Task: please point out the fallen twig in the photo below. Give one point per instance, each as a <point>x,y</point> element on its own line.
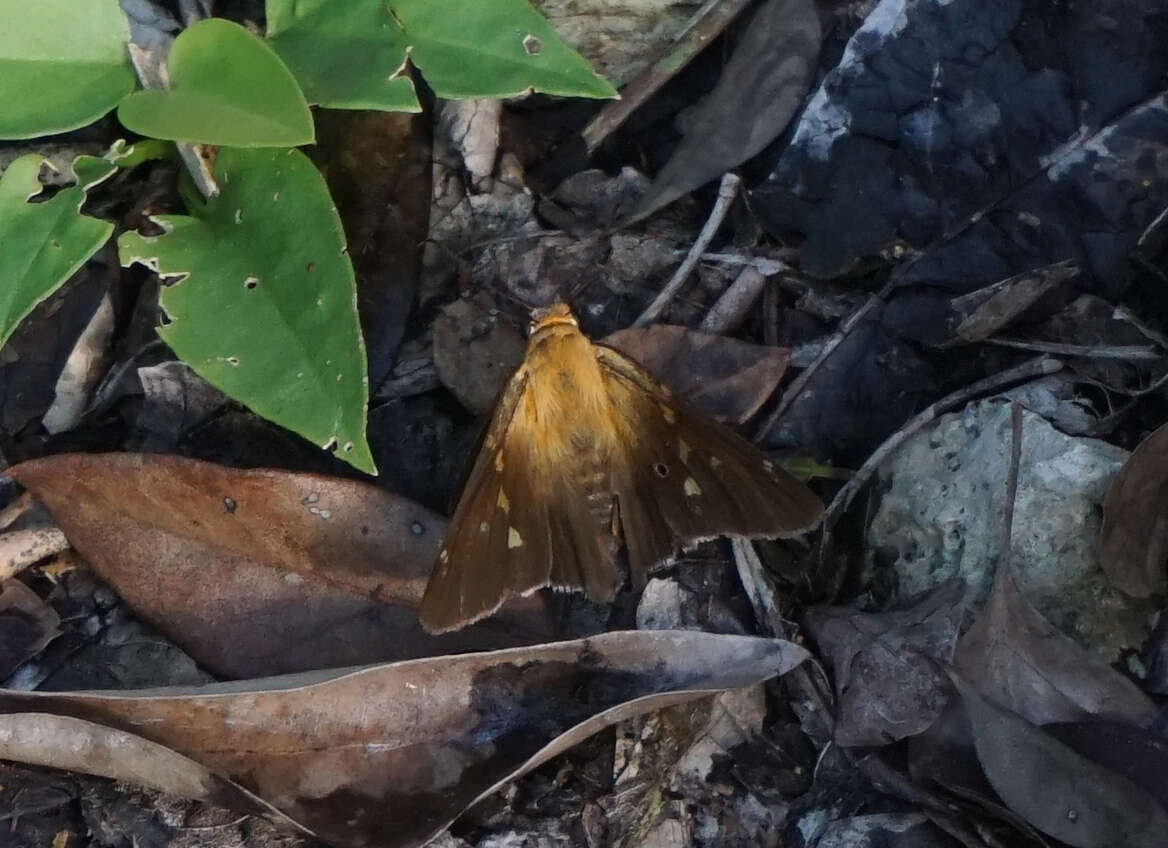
<point>735,303</point>
<point>1034,368</point>
<point>22,548</point>
<point>727,191</point>
<point>1127,353</point>
<point>707,22</point>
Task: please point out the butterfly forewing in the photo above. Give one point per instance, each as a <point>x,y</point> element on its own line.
<point>688,478</point>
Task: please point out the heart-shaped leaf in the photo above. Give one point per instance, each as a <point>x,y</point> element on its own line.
<point>347,54</point>
<point>44,243</point>
<point>265,309</point>
<point>63,64</point>
<point>351,53</point>
<point>227,88</point>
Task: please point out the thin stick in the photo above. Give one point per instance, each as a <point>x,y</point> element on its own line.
<point>727,191</point>
<point>732,307</point>
<point>1126,353</point>
<point>800,382</point>
<point>1034,368</point>
<point>713,17</point>
<point>1012,480</point>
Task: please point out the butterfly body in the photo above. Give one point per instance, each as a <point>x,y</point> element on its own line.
<point>585,450</point>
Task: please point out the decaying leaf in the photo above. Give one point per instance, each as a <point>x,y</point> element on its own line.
<point>386,755</point>
<point>1134,546</point>
<point>984,312</point>
<point>761,87</point>
<point>1059,791</point>
<point>475,352</point>
<point>725,378</point>
<point>26,625</point>
<point>256,572</point>
<point>887,683</point>
<point>1013,656</point>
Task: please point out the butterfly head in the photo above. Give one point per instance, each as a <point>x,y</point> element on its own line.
<point>551,318</point>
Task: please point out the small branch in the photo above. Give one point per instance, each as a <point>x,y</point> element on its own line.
<point>800,382</point>
<point>1034,368</point>
<point>727,191</point>
<point>1127,353</point>
<point>735,303</point>
<point>713,17</point>
<point>1012,480</point>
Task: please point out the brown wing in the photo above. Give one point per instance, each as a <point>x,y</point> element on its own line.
<point>689,478</point>
<point>480,564</point>
<point>520,525</point>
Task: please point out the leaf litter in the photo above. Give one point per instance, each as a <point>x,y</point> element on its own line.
<point>920,230</point>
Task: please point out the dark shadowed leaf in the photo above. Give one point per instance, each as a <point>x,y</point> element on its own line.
<point>1139,755</point>
<point>888,687</point>
<point>1135,521</point>
<point>386,755</point>
<point>255,572</point>
<point>26,625</point>
<point>725,378</point>
<point>761,87</point>
<point>1013,656</point>
<point>1059,791</point>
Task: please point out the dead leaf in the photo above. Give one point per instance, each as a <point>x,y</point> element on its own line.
<point>475,352</point>
<point>1014,657</point>
<point>887,685</point>
<point>255,572</point>
<point>1140,755</point>
<point>27,625</point>
<point>387,755</point>
<point>984,312</point>
<point>1134,540</point>
<point>725,378</point>
<point>761,87</point>
<point>1056,789</point>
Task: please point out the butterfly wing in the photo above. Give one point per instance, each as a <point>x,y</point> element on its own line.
<point>688,478</point>
<point>496,546</point>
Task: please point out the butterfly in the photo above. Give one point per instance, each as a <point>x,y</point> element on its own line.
<point>585,450</point>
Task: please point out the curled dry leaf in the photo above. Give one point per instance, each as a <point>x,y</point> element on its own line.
<point>27,624</point>
<point>1013,656</point>
<point>1135,521</point>
<point>386,755</point>
<point>882,664</point>
<point>1056,789</point>
<point>256,572</point>
<point>725,378</point>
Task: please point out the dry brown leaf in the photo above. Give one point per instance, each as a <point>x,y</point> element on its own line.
<point>725,378</point>
<point>1134,546</point>
<point>27,624</point>
<point>1013,656</point>
<point>257,572</point>
<point>386,755</point>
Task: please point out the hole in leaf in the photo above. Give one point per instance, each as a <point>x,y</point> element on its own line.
<point>661,469</point>
<point>251,282</point>
<point>532,45</point>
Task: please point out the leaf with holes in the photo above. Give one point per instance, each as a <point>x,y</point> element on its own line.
<point>351,54</point>
<point>228,88</point>
<point>264,303</point>
<point>44,243</point>
<point>63,64</point>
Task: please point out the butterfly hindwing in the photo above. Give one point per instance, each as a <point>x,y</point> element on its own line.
<point>688,478</point>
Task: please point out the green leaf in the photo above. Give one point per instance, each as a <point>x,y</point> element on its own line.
<point>44,243</point>
<point>492,48</point>
<point>265,307</point>
<point>63,64</point>
<point>350,53</point>
<point>227,88</point>
<point>347,54</point>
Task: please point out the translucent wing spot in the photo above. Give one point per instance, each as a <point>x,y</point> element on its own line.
<point>514,540</point>
<point>444,556</point>
<point>670,417</point>
<point>484,526</point>
<point>499,461</point>
<point>532,45</point>
<point>661,469</point>
<point>769,466</point>
<point>683,449</point>
<point>502,502</point>
<point>692,488</point>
